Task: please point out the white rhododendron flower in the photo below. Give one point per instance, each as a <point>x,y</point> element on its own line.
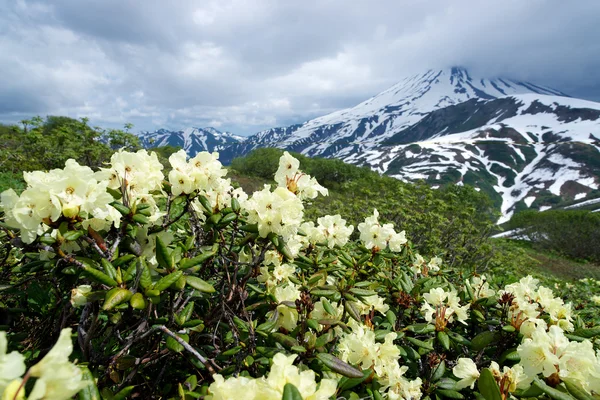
<point>550,352</point>
<point>396,386</point>
<point>480,287</point>
<point>12,365</point>
<point>510,378</point>
<point>72,192</point>
<point>231,388</point>
<point>434,264</point>
<point>375,235</point>
<point>360,348</point>
<point>334,231</point>
<point>289,176</point>
<point>279,211</point>
<point>468,373</point>
<point>138,173</point>
<point>203,172</point>
<point>442,307</point>
<point>271,387</point>
<point>531,301</point>
<point>283,371</point>
<point>287,313</point>
<point>372,302</point>
<point>57,378</point>
<point>79,295</point>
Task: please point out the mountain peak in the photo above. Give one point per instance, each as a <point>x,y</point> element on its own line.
<point>192,139</point>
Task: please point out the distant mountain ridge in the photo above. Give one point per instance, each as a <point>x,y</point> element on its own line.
<point>193,140</point>
<point>525,145</point>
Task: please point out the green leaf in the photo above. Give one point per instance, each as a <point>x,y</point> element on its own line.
<point>348,383</point>
<point>140,219</point>
<point>291,392</point>
<point>186,263</point>
<point>167,280</point>
<point>588,332</point>
<point>99,276</point>
<point>284,340</point>
<point>137,301</point>
<point>420,343</point>
<point>421,328</point>
<point>145,276</point>
<point>124,210</point>
<point>439,371</point>
<point>122,395</point>
<point>114,297</point>
<point>551,392</point>
<point>174,345</point>
<point>339,366</point>
<point>71,236</point>
<point>444,340</point>
<point>90,392</point>
<point>484,339</point>
<point>199,284</point>
<point>450,394</point>
<point>108,268</point>
<point>163,255</point>
<point>487,385</point>
<point>576,390</point>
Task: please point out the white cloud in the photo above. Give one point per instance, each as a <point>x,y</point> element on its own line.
<point>247,65</point>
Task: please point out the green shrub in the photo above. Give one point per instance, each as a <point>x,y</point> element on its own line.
<point>575,233</point>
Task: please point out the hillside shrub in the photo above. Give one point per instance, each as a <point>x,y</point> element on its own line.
<point>575,233</point>
<point>454,222</point>
<point>188,288</point>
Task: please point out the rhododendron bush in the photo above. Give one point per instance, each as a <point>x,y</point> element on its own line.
<point>184,286</point>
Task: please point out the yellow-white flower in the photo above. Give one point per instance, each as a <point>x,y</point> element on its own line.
<point>12,365</point>
<point>232,388</point>
<point>58,379</point>
<point>283,371</point>
<point>79,295</point>
<point>468,373</point>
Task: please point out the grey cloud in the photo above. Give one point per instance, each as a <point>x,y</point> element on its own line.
<point>248,65</point>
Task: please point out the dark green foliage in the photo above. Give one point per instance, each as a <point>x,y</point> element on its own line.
<point>453,222</point>
<point>330,173</point>
<point>46,144</point>
<point>574,233</point>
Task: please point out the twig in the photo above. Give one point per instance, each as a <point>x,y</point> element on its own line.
<point>189,348</point>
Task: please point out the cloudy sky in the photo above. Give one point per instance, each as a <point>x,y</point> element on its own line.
<point>244,66</point>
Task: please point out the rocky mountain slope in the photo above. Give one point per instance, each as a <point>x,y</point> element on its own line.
<point>524,144</point>
<point>193,140</point>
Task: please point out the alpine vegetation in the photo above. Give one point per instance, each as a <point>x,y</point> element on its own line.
<point>179,284</point>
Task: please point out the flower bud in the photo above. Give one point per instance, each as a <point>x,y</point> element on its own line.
<point>79,295</point>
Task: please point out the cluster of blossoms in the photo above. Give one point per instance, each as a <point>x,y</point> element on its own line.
<point>530,302</point>
<point>509,379</point>
<point>375,235</point>
<point>271,387</point>
<point>549,352</point>
<point>203,174</point>
<point>442,307</point>
<point>420,266</point>
<point>330,229</point>
<point>69,193</point>
<point>57,378</point>
<point>542,319</point>
<point>137,174</point>
<point>360,348</point>
<point>280,211</point>
<point>289,176</point>
<point>480,288</point>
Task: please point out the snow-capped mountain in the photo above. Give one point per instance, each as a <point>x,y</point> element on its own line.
<point>192,140</point>
<point>524,144</point>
